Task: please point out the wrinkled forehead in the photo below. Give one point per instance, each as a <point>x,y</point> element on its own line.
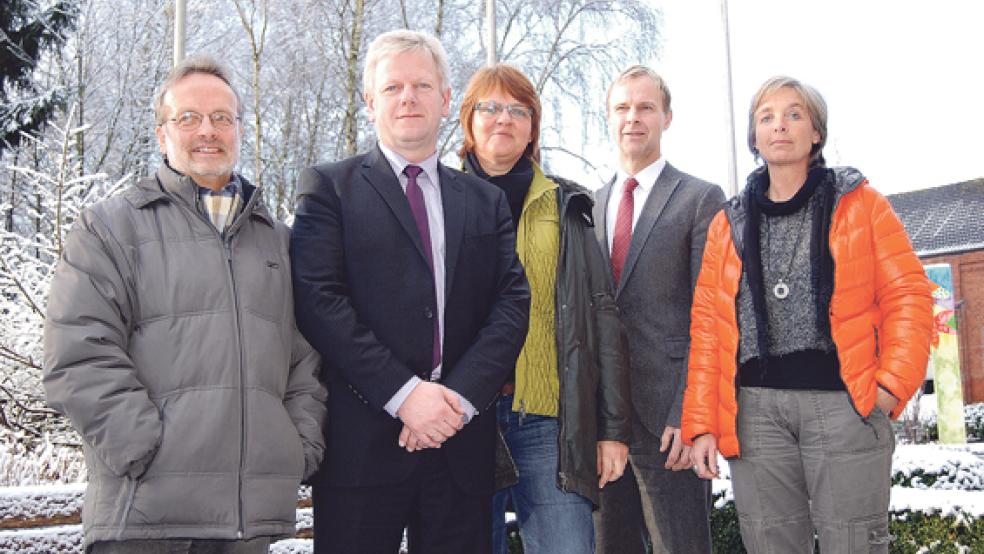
<point>201,92</point>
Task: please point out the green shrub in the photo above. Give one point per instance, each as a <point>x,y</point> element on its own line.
<point>919,532</point>
<point>973,418</point>
<point>725,533</point>
<point>915,532</point>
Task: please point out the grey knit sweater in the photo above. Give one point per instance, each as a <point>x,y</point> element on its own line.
<point>792,320</point>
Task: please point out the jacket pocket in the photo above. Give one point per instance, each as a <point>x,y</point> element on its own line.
<point>677,347</point>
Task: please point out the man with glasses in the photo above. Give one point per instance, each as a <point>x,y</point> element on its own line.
<point>170,343</point>
<point>407,283</point>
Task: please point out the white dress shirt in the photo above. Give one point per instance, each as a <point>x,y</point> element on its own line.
<point>647,178</point>
<point>430,186</point>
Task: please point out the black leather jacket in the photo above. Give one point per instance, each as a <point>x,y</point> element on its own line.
<point>591,349</point>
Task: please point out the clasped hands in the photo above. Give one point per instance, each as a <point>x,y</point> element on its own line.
<point>431,414</point>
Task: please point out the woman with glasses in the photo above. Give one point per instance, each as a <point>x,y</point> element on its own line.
<point>564,412</point>
<point>810,330</point>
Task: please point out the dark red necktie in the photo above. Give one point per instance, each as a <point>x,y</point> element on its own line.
<point>623,229</point>
<point>419,208</point>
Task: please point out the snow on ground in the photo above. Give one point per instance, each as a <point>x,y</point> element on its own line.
<point>959,482</point>
<point>962,465</point>
<point>304,519</point>
<point>43,540</point>
<point>41,501</point>
<point>292,546</point>
<point>938,501</point>
<point>945,479</point>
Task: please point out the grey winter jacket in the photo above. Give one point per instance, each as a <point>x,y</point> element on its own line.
<point>174,353</point>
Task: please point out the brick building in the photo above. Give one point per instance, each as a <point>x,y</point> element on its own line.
<point>946,225</point>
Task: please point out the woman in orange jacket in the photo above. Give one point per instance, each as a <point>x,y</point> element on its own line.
<point>810,330</point>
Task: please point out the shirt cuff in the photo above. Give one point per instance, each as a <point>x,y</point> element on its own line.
<point>397,400</point>
<point>467,406</point>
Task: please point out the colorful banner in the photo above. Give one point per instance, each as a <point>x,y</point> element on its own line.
<point>944,358</point>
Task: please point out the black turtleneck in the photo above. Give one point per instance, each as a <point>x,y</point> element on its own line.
<point>515,183</point>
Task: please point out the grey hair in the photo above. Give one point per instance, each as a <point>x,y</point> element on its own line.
<point>189,66</point>
<point>815,105</point>
<point>636,71</point>
<point>397,42</point>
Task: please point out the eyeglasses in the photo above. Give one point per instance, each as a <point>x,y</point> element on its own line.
<point>492,108</point>
<point>190,121</point>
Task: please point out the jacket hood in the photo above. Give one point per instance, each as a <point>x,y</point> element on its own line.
<point>846,179</point>
<point>572,195</point>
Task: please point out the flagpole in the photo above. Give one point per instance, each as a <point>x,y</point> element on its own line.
<point>491,57</point>
<point>180,11</point>
<point>733,152</point>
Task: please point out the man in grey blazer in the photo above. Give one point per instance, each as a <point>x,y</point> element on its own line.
<point>652,223</point>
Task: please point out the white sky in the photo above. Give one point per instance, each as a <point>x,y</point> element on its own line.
<point>903,80</point>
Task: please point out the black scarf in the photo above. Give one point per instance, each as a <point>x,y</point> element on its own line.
<point>819,182</point>
<point>516,183</point>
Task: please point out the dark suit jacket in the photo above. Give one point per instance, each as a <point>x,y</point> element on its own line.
<point>657,287</point>
<point>363,296</point>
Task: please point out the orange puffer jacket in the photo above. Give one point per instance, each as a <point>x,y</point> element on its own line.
<point>880,312</point>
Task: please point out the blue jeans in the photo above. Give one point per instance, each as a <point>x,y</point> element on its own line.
<point>551,521</point>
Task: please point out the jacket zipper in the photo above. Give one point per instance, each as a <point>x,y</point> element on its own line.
<point>562,204</point>
<point>225,239</point>
<point>242,383</point>
<point>850,399</point>
<point>735,240</point>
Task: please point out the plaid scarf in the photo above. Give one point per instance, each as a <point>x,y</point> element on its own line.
<point>222,206</point>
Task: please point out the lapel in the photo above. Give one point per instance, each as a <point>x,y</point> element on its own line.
<point>454,201</point>
<point>377,170</point>
<point>601,221</point>
<point>662,190</point>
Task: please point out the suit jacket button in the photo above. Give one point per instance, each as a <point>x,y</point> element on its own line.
<point>428,313</point>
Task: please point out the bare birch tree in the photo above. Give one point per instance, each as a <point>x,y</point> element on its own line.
<point>256,28</point>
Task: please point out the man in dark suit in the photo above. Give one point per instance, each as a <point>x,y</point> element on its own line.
<point>652,224</point>
<point>407,282</point>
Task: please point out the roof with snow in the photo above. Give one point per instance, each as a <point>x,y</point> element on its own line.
<point>943,220</point>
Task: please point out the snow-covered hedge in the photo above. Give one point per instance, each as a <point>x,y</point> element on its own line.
<point>915,532</point>
<point>26,461</point>
<point>937,504</point>
<point>973,418</point>
<point>927,466</point>
<point>43,503</point>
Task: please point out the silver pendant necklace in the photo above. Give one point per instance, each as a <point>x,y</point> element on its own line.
<point>781,289</point>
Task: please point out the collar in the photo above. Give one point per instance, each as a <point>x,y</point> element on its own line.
<point>647,177</point>
<point>399,163</point>
<point>539,186</point>
<point>169,184</point>
<point>232,188</point>
<point>177,184</point>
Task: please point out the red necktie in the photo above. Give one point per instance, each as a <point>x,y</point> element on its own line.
<point>418,206</point>
<point>623,229</point>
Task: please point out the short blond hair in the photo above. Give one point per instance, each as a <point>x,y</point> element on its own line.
<point>635,72</point>
<point>397,42</point>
